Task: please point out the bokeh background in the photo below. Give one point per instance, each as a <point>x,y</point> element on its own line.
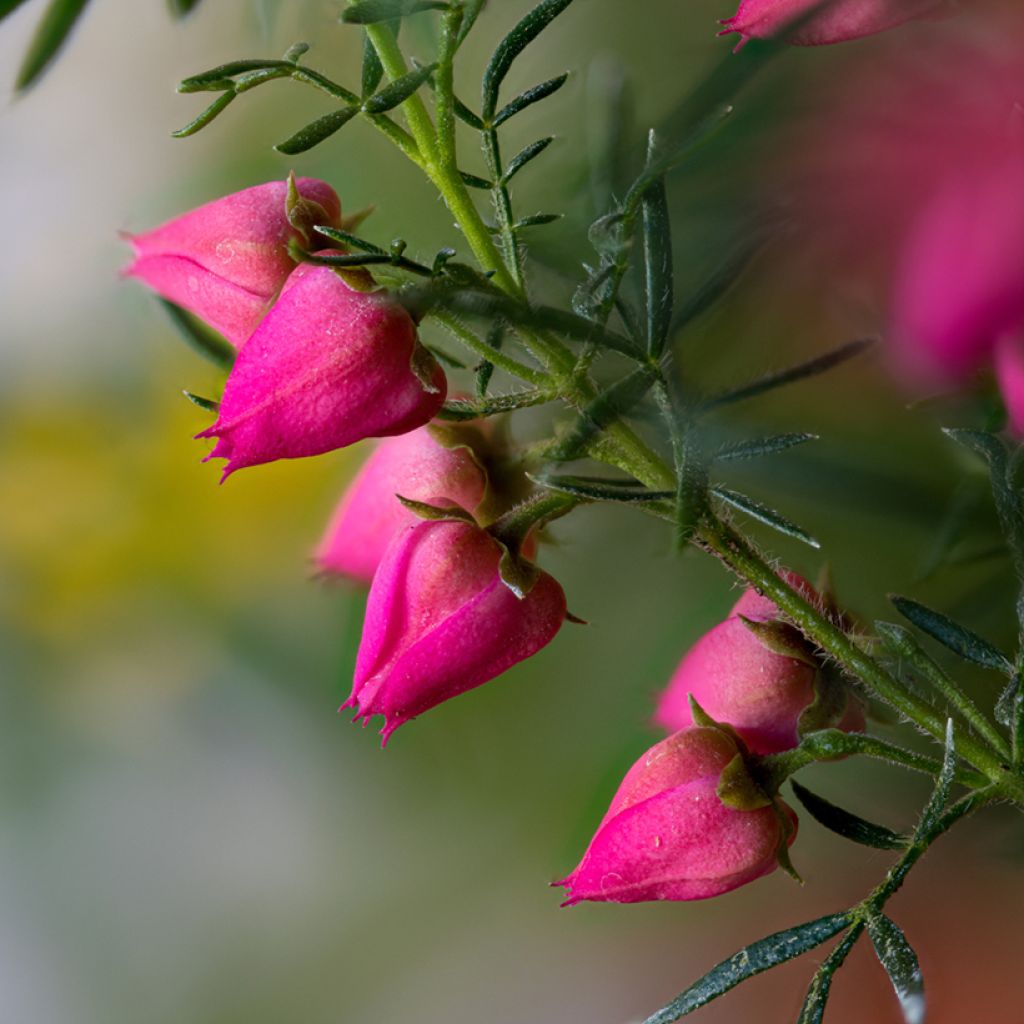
<point>189,832</point>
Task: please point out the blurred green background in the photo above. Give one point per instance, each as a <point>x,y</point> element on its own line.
<point>189,833</point>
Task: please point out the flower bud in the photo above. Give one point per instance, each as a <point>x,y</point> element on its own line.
<point>836,22</point>
<point>440,621</point>
<point>225,261</point>
<point>668,836</point>
<point>420,465</point>
<point>327,366</point>
<point>745,680</point>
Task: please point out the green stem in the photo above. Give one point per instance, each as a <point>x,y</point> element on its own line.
<point>493,355</point>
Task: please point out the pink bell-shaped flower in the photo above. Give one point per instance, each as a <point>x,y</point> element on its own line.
<point>429,465</point>
<point>737,679</point>
<point>668,836</point>
<point>226,261</point>
<point>836,22</point>
<point>327,366</point>
<point>440,621</point>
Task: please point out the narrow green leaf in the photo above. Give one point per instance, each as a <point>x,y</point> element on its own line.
<point>751,960</point>
<point>524,156</point>
<point>484,372</point>
<point>50,35</point>
<point>847,825</point>
<point>398,91</point>
<point>471,10</point>
<point>759,446</point>
<point>436,513</point>
<point>317,131</point>
<point>206,404</point>
<point>206,116</point>
<point>458,409</point>
<point>598,489</point>
<point>463,113</point>
<point>657,254</point>
<point>536,220</point>
<point>528,98</point>
<point>900,961</point>
<point>369,12</point>
<point>9,7</point>
<point>812,368</point>
<point>204,340</point>
<point>765,514</point>
<point>216,78</point>
<point>512,45</point>
<point>813,1011</point>
<point>476,182</point>
<point>721,279</point>
<point>373,70</point>
<point>943,784</point>
<point>959,639</point>
<point>350,240</point>
<point>180,8</point>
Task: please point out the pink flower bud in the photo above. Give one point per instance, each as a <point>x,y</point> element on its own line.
<point>225,261</point>
<point>837,21</point>
<point>416,465</point>
<point>738,680</point>
<point>440,621</point>
<point>327,366</point>
<point>667,835</point>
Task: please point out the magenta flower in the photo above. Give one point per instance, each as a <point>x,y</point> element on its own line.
<point>327,366</point>
<point>836,22</point>
<point>440,621</point>
<point>226,261</point>
<point>422,465</point>
<point>738,680</point>
<point>667,835</point>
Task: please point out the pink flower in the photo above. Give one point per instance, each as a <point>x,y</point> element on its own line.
<point>422,465</point>
<point>440,621</point>
<point>836,22</point>
<point>225,261</point>
<point>667,835</point>
<point>327,366</point>
<point>737,680</point>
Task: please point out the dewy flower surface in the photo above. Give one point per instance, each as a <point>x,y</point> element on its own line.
<point>738,680</point>
<point>423,465</point>
<point>440,621</point>
<point>226,260</point>
<point>327,366</point>
<point>668,836</point>
<point>801,23</point>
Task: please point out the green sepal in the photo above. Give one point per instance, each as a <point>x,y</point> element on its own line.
<point>781,638</point>
<point>206,404</point>
<point>518,574</point>
<point>738,789</point>
<point>786,831</point>
<point>437,513</point>
<point>424,365</point>
<point>832,698</point>
<point>303,214</point>
<point>205,340</point>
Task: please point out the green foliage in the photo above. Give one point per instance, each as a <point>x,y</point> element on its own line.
<point>206,342</point>
<point>846,824</point>
<point>900,962</point>
<point>53,31</point>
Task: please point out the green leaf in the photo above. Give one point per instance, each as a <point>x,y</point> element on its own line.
<point>629,492</point>
<point>759,446</point>
<point>536,220</point>
<point>398,91</point>
<point>512,45</point>
<point>765,514</point>
<point>202,338</point>
<point>9,7</point>
<point>436,513</point>
<point>350,240</point>
<point>50,35</point>
<point>943,784</point>
<point>802,371</point>
<point>781,638</point>
<point>959,639</point>
<point>473,181</point>
<point>750,961</point>
<point>463,113</point>
<point>524,156</point>
<point>484,372</point>
<point>216,78</point>
<point>369,12</point>
<point>316,131</point>
<point>206,116</point>
<point>901,964</point>
<point>528,98</point>
<point>813,1011</point>
<point>180,8</point>
<point>721,279</point>
<point>847,825</point>
<point>466,409</point>
<point>373,70</point>
<point>206,404</point>
<point>657,254</point>
<point>471,10</point>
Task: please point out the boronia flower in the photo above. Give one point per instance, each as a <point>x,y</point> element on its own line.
<point>802,23</point>
<point>737,677</point>
<point>327,366</point>
<point>441,621</point>
<point>668,836</point>
<point>430,464</point>
<point>225,261</point>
